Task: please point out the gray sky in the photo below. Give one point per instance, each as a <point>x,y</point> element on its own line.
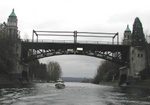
<point>80,15</point>
<point>75,65</point>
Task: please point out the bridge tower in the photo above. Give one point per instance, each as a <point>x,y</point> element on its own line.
<point>138,51</point>
<point>124,71</point>
<point>17,69</point>
<point>137,54</point>
<point>127,36</point>
<point>12,26</point>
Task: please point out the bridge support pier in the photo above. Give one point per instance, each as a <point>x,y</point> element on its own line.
<point>123,71</point>
<point>137,62</point>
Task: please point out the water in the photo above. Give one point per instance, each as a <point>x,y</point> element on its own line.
<point>74,94</point>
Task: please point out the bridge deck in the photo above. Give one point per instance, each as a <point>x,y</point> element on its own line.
<point>85,46</point>
<point>112,52</point>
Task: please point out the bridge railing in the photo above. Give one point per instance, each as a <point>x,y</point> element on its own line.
<point>72,41</point>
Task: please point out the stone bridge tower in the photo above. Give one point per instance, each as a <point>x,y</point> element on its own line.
<point>12,26</point>
<point>14,41</point>
<point>127,36</point>
<point>137,54</point>
<point>15,47</point>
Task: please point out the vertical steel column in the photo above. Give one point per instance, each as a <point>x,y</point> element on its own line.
<point>37,39</point>
<point>75,37</point>
<point>113,40</point>
<point>75,41</point>
<point>32,40</point>
<point>33,36</point>
<point>117,38</point>
<point>117,43</point>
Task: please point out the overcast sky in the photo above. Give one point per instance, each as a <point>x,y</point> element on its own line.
<point>76,65</point>
<point>80,15</point>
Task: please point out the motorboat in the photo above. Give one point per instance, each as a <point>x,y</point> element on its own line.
<point>60,84</point>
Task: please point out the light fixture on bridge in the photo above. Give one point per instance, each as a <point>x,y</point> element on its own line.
<point>79,49</point>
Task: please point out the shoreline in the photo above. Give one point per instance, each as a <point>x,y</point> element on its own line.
<point>17,85</point>
<point>134,85</point>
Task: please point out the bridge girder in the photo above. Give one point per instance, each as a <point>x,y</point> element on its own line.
<point>115,53</point>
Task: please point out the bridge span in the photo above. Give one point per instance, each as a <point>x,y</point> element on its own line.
<point>36,49</point>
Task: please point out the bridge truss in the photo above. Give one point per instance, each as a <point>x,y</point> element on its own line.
<point>75,34</point>
<point>39,49</point>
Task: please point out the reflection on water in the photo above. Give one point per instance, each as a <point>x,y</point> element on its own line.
<point>74,94</point>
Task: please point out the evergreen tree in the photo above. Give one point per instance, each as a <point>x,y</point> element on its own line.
<point>106,72</point>
<point>138,37</point>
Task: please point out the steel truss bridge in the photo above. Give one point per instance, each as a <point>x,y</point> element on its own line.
<point>37,48</point>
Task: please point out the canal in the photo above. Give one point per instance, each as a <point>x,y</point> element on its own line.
<point>74,94</point>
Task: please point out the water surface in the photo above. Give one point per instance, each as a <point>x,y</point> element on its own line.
<point>74,94</point>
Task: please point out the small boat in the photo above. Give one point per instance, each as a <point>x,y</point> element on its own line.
<point>60,84</point>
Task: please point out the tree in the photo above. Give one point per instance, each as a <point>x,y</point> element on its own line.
<point>54,70</point>
<point>38,69</point>
<point>138,37</point>
<point>3,67</point>
<point>106,71</point>
<point>6,55</point>
<point>26,37</point>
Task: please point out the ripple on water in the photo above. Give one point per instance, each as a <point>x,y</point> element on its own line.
<point>73,94</point>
